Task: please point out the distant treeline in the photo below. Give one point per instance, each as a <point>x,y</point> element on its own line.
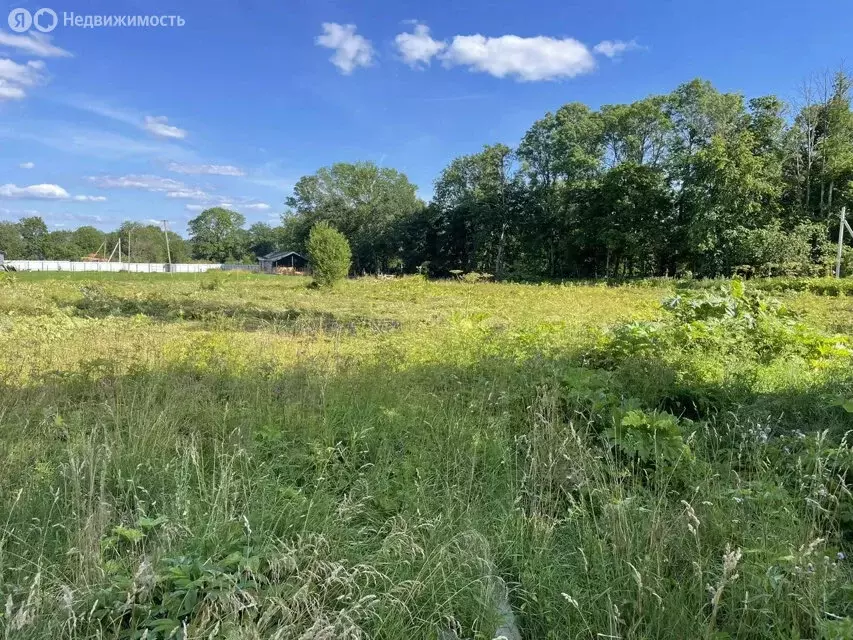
<point>30,239</point>
<point>692,182</point>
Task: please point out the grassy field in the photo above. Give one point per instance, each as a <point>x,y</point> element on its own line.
<point>241,456</point>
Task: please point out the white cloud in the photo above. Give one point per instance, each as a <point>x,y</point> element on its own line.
<point>159,126</point>
<point>229,204</point>
<point>526,59</point>
<point>177,190</point>
<point>206,169</point>
<point>10,92</point>
<point>155,184</point>
<point>144,182</point>
<point>36,192</point>
<point>188,194</point>
<point>351,49</point>
<point>614,48</point>
<point>92,142</point>
<point>419,47</point>
<point>104,110</point>
<point>43,192</point>
<point>15,77</point>
<point>35,44</point>
<point>27,165</point>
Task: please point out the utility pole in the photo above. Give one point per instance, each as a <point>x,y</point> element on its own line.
<point>168,251</point>
<point>841,226</point>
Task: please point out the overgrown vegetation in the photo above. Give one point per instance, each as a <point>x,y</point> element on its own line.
<point>329,253</point>
<point>406,459</point>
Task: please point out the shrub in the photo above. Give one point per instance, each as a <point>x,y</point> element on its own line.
<point>329,253</point>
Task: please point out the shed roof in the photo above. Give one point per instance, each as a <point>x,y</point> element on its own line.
<point>278,255</point>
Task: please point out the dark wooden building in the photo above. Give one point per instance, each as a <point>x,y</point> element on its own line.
<point>283,262</point>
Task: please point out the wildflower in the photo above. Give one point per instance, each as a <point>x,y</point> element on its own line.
<point>841,555</point>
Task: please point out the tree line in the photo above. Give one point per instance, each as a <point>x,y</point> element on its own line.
<point>30,239</point>
<point>696,181</point>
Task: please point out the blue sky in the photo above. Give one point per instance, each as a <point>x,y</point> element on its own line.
<point>112,123</point>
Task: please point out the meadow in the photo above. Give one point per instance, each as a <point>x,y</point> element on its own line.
<point>243,456</point>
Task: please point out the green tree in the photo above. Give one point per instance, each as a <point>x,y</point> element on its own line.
<point>11,242</point>
<point>364,202</point>
<point>477,199</point>
<point>217,234</point>
<point>33,232</point>
<point>262,239</point>
<point>147,243</point>
<point>60,245</point>
<point>88,239</point>
<point>329,253</point>
<point>629,222</point>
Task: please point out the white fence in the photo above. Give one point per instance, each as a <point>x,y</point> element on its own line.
<point>134,267</point>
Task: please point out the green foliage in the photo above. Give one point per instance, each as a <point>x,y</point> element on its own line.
<point>366,203</point>
<point>11,242</point>
<point>33,232</point>
<point>329,254</point>
<point>652,438</point>
<point>216,234</point>
<point>262,239</point>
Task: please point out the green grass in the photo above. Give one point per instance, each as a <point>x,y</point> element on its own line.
<point>241,456</point>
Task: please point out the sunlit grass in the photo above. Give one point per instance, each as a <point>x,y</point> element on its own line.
<point>234,455</point>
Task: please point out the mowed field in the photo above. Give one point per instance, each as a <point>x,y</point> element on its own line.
<point>243,456</point>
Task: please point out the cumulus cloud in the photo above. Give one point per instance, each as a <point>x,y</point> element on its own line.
<point>15,78</point>
<point>9,91</point>
<point>526,59</point>
<point>36,44</point>
<point>614,48</point>
<point>523,58</point>
<point>206,169</point>
<point>418,48</point>
<point>27,165</point>
<point>43,192</point>
<point>351,50</point>
<point>160,127</point>
<point>35,192</point>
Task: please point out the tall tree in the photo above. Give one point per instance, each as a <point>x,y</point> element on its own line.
<point>262,239</point>
<point>217,234</point>
<point>362,201</point>
<point>33,232</point>
<point>11,242</point>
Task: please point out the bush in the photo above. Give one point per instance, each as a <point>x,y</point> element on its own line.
<point>329,253</point>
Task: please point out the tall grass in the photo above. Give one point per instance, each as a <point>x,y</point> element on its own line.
<point>455,473</point>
